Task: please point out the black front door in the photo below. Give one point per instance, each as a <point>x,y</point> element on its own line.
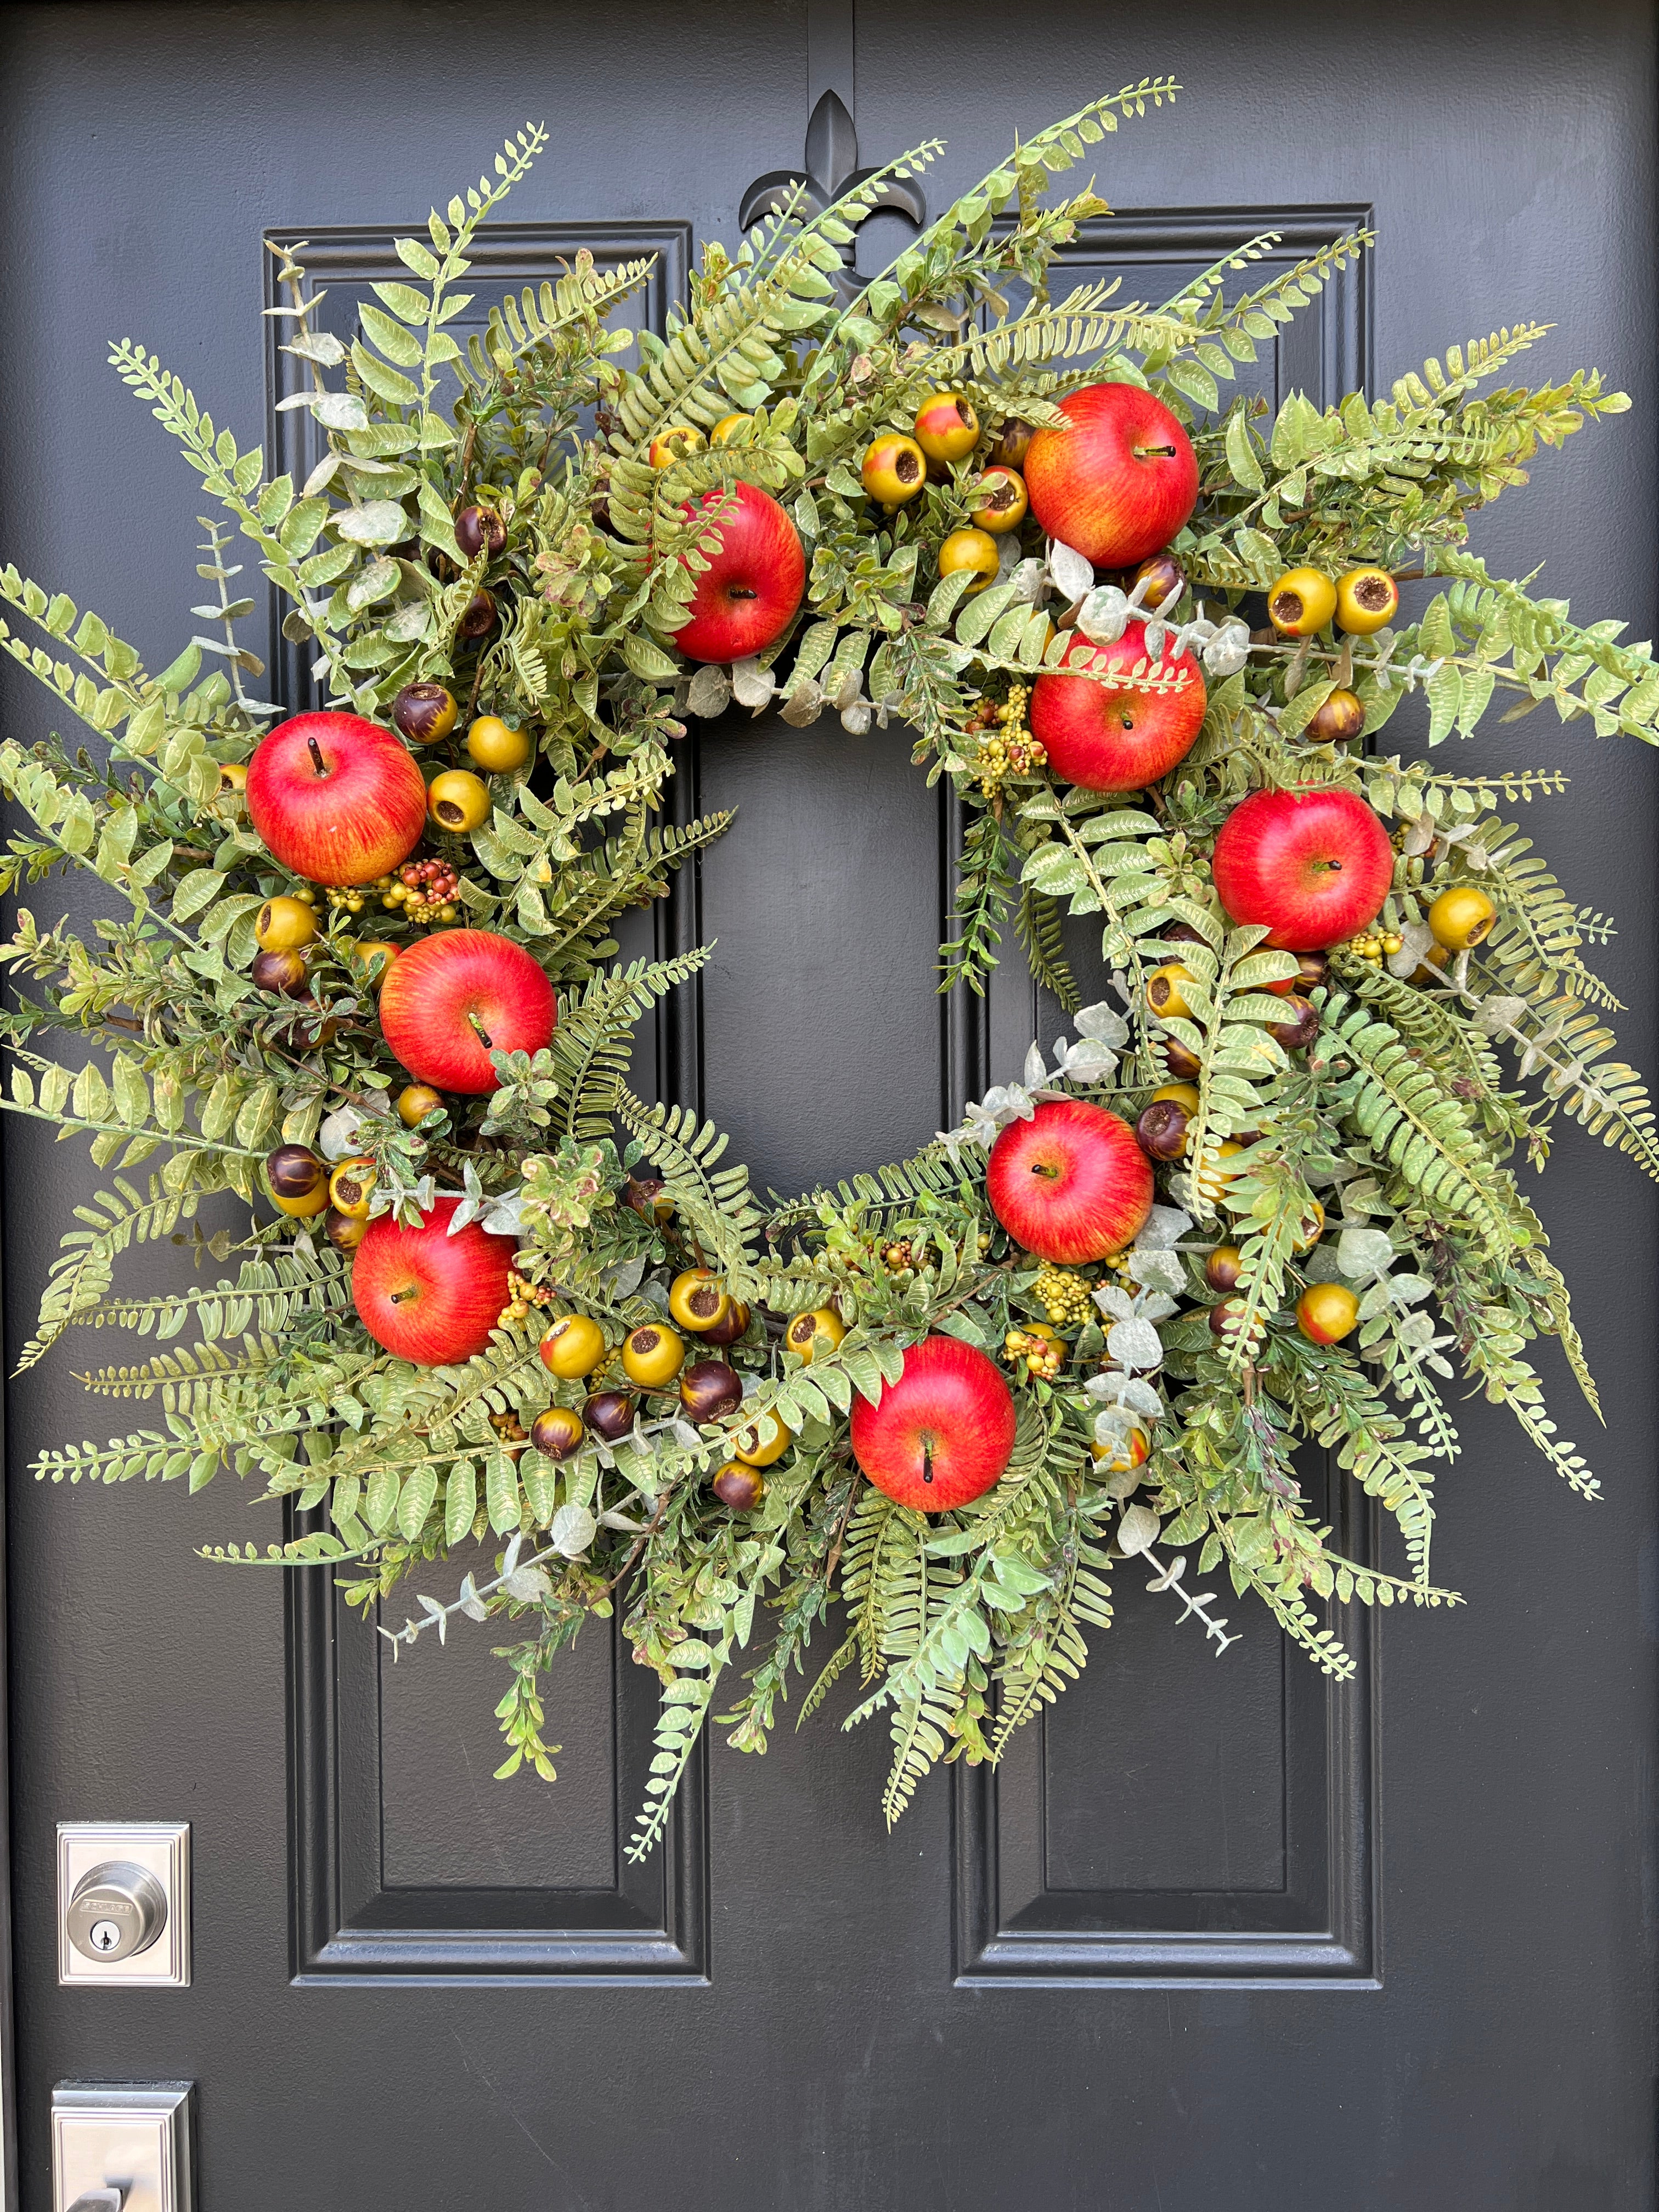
<point>1217,1935</point>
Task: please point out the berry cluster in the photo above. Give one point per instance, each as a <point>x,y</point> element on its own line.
<point>511,1431</point>
<point>1009,749</point>
<point>346,898</point>
<point>424,889</point>
<point>1375,945</point>
<point>897,1256</point>
<point>1041,1356</point>
<point>522,1295</point>
<point>1064,1296</point>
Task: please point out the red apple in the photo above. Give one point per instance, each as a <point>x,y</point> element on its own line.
<point>1071,1184</point>
<point>451,1000</point>
<point>1104,739</point>
<point>427,1296</point>
<point>1314,865</point>
<point>1118,484</point>
<point>941,1434</point>
<point>747,595</point>
<point>336,798</point>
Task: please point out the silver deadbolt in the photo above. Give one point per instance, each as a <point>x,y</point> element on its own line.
<point>118,1908</point>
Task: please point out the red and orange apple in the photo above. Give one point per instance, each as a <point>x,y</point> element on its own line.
<point>1314,865</point>
<point>428,1297</point>
<point>336,798</point>
<point>1071,1184</point>
<point>1102,738</point>
<point>1120,481</point>
<point>746,598</point>
<point>451,999</point>
<point>943,1433</point>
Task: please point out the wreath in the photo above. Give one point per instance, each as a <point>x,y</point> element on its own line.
<point>354,965</point>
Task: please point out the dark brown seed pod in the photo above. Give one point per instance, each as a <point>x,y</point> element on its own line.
<point>610,1414</point>
<point>1166,577</point>
<point>1226,1318</point>
<point>1221,1270</point>
<point>740,1487</point>
<point>480,617</point>
<point>709,1390</point>
<point>1180,933</point>
<point>295,1171</point>
<point>282,972</point>
<point>1013,443</point>
<point>425,712</point>
<point>476,527</point>
<point>343,1231</point>
<point>1338,718</point>
<point>557,1433</point>
<point>1184,1066</point>
<point>1312,968</point>
<point>1162,1129</point>
<point>730,1325</point>
<point>1300,1025</point>
<point>644,1194</point>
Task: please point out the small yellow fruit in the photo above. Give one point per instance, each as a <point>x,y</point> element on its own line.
<point>1313,1228</point>
<point>974,550</point>
<point>415,1102</point>
<point>653,1355</point>
<point>351,1187</point>
<point>284,924</point>
<point>676,443</point>
<point>1000,503</point>
<point>233,775</point>
<point>496,748</point>
<point>1366,599</point>
<point>1164,992</point>
<point>1325,1312</point>
<point>458,800</point>
<point>762,1441</point>
<point>894,468</point>
<point>1122,1458</point>
<point>1214,1179</point>
<point>696,1301</point>
<point>946,427</point>
<point>721,433</point>
<point>810,1334</point>
<point>1461,917</point>
<point>1184,1094</point>
<point>1301,602</point>
<point>573,1348</point>
<point>371,958</point>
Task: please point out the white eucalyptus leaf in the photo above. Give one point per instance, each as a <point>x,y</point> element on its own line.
<point>1137,1530</point>
<point>528,1583</point>
<point>751,685</point>
<point>1165,1227</point>
<point>710,692</point>
<point>1103,1025</point>
<point>338,1135</point>
<point>571,1530</point>
<point>1134,1344</point>
<point>1363,1252</point>
<point>1155,1270</point>
<point>1105,615</point>
<point>1072,573</point>
<point>1112,1300</point>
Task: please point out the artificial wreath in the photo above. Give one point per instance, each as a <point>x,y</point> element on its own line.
<point>357,966</point>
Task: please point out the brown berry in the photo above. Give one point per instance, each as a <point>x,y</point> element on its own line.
<point>1223,1268</point>
<point>1162,1129</point>
<point>557,1433</point>
<point>425,712</point>
<point>1165,577</point>
<point>739,1487</point>
<point>709,1390</point>
<point>282,972</point>
<point>476,527</point>
<point>1183,1066</point>
<point>732,1324</point>
<point>610,1414</point>
<point>1013,443</point>
<point>1337,719</point>
<point>1300,1026</point>
<point>344,1231</point>
<point>1312,968</point>
<point>480,617</point>
<point>295,1171</point>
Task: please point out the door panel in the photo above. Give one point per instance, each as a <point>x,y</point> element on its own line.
<point>1214,1936</point>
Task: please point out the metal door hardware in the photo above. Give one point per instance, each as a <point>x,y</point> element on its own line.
<point>123,1903</point>
<point>122,2147</point>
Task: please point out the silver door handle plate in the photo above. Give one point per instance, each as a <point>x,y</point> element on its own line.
<point>122,2147</point>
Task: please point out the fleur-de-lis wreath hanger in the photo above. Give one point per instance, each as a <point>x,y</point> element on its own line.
<point>831,168</point>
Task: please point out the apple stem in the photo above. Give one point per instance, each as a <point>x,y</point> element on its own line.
<point>927,1459</point>
<point>399,1296</point>
<point>479,1030</point>
<point>316,751</point>
<point>1153,452</point>
<point>1043,1168</point>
